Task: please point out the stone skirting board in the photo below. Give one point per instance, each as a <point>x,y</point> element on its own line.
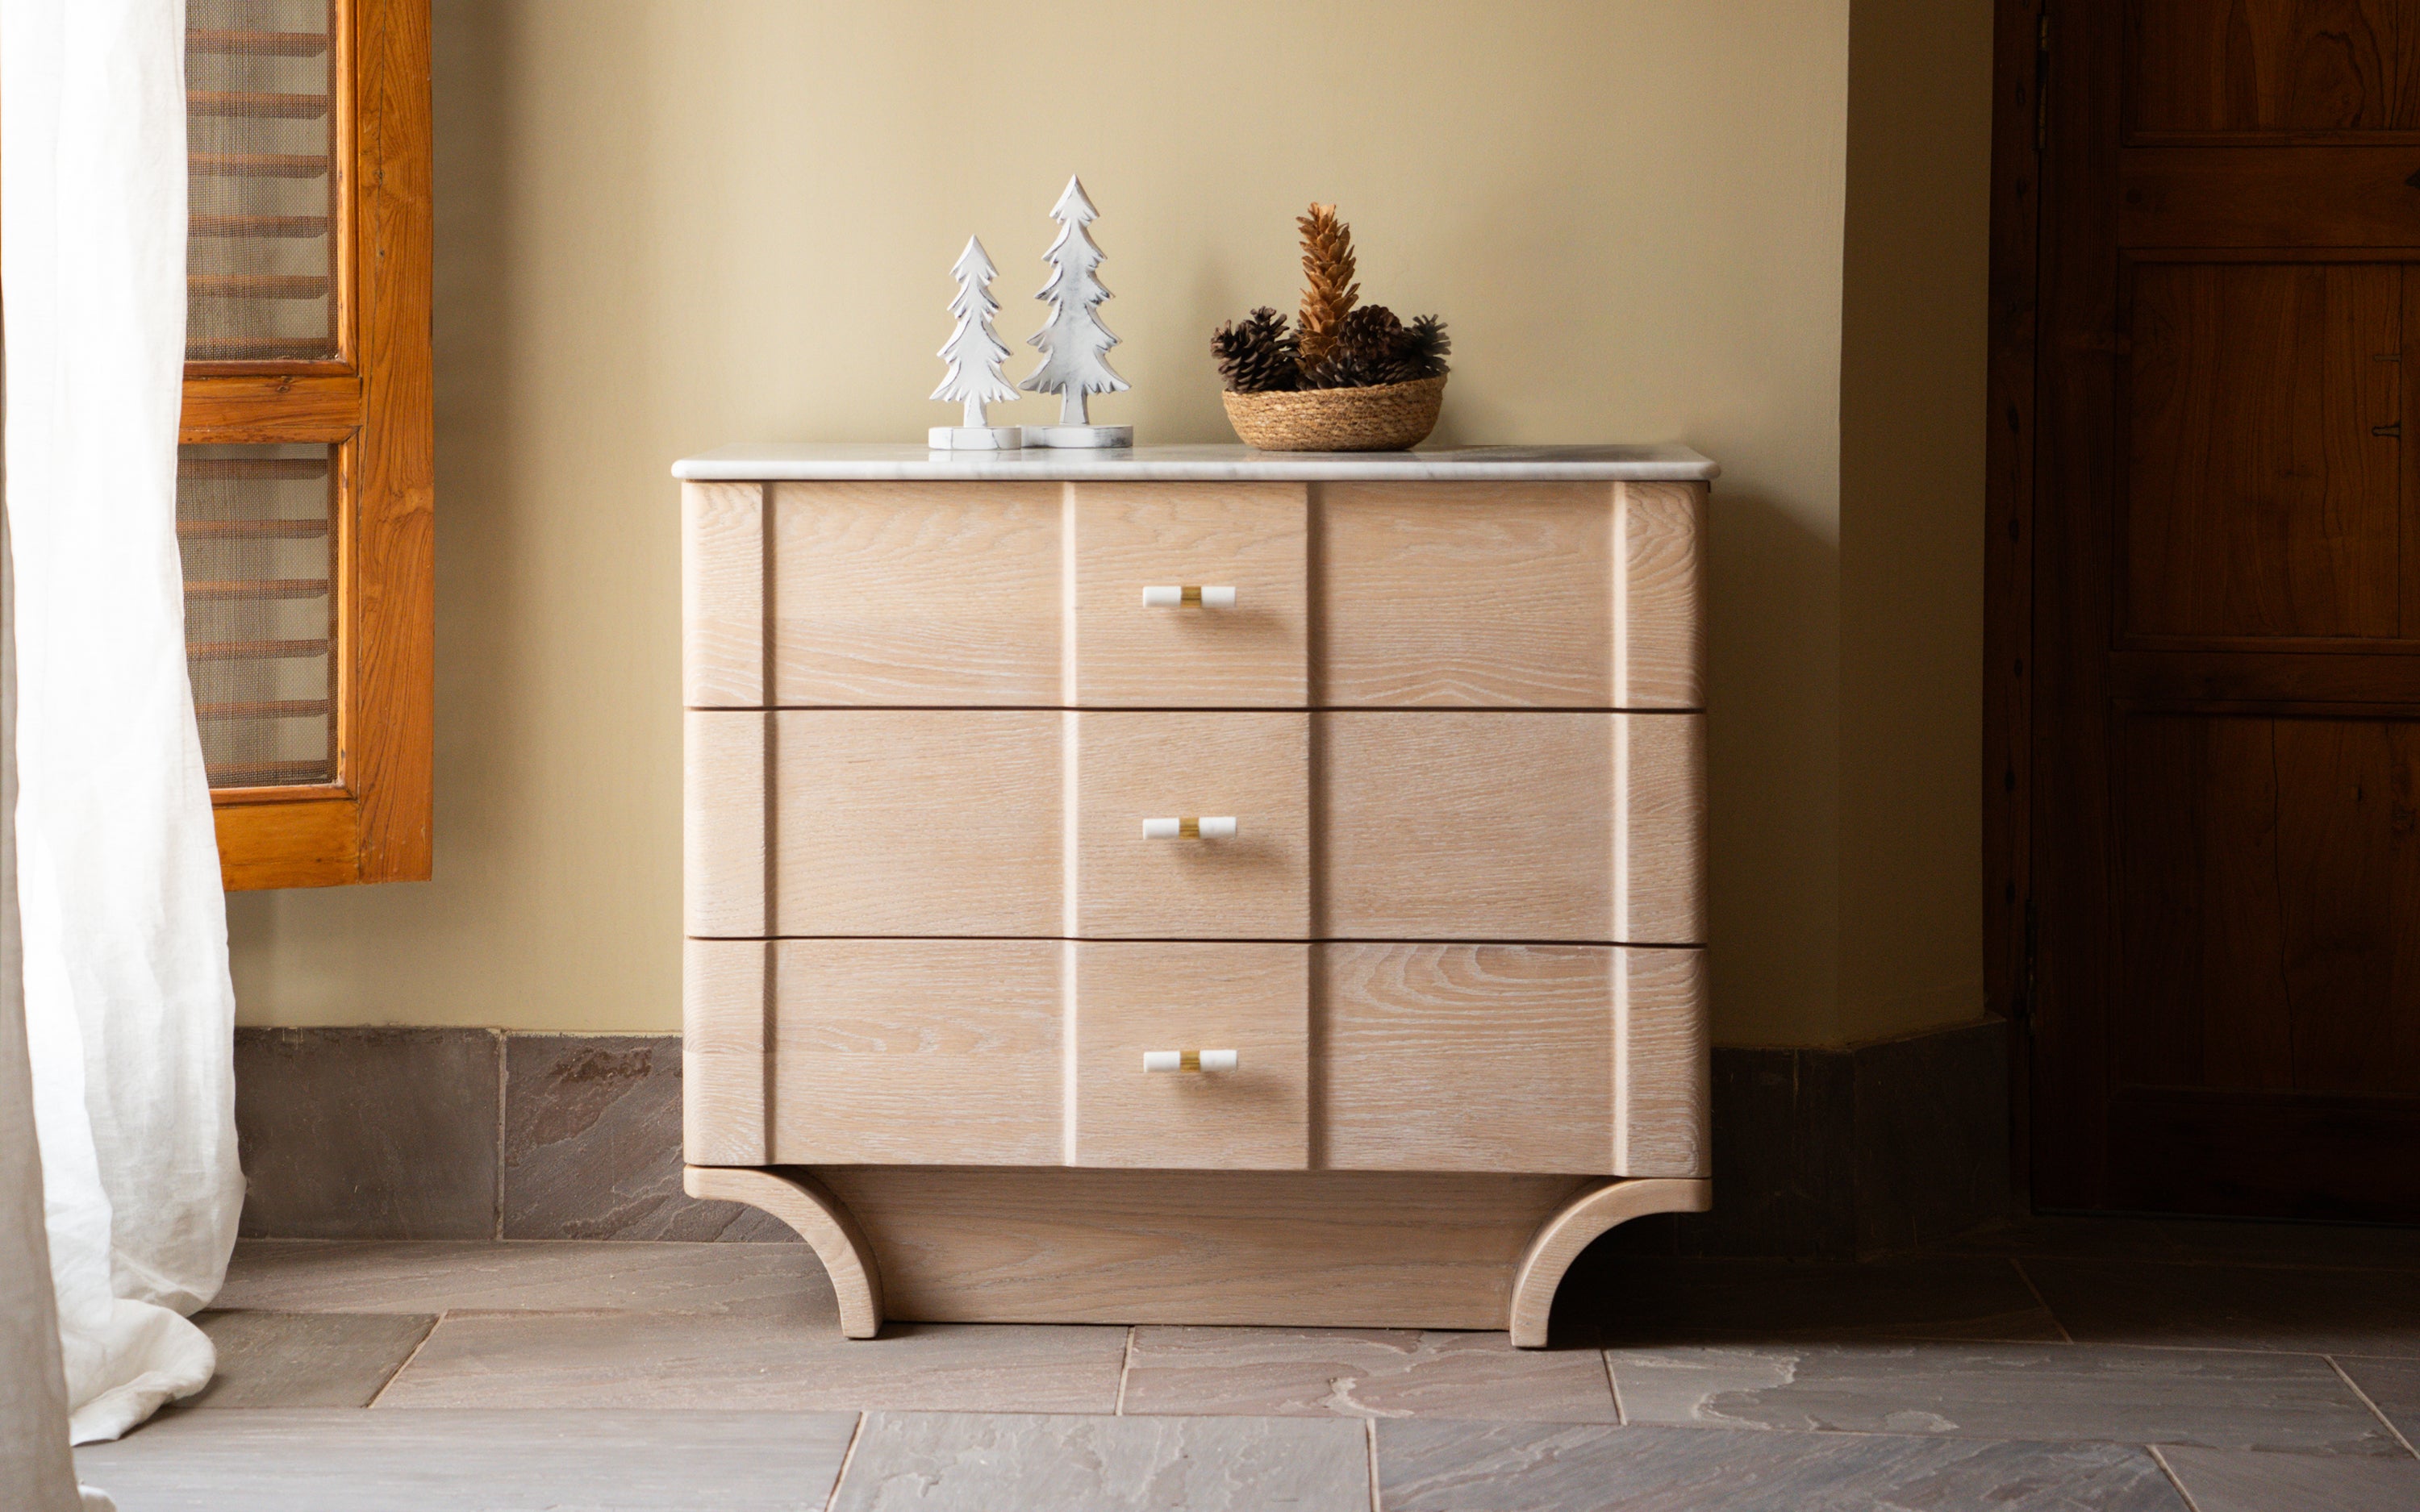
<point>475,1134</point>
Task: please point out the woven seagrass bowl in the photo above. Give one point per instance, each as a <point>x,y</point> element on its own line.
<point>1386,417</point>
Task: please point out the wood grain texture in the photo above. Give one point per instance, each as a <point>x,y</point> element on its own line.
<point>296,842</point>
<point>809,1207</point>
<point>2265,197</point>
<point>722,824</point>
<point>2259,501</point>
<point>917,594</point>
<point>917,821</point>
<point>1659,619</point>
<point>1131,766</point>
<point>1254,999</point>
<point>1467,1057</point>
<point>2197,68</point>
<point>1662,1003</point>
<point>1560,1240</point>
<point>724,1068</point>
<point>723,594</point>
<point>944,1052</point>
<point>1466,593</point>
<point>1512,828</point>
<point>262,407</point>
<point>1339,1249</point>
<point>1251,536</point>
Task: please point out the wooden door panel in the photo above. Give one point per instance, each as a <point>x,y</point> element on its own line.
<point>2270,897</point>
<point>2268,197</point>
<point>2261,499</point>
<point>2208,67</point>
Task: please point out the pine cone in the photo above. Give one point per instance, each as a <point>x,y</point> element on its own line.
<point>1328,290</point>
<point>1420,350</point>
<point>1256,355</point>
<point>1366,343</point>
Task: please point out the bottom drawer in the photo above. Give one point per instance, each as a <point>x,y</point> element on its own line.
<point>1414,1057</point>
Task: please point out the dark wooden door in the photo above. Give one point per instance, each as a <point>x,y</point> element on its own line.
<point>2226,842</point>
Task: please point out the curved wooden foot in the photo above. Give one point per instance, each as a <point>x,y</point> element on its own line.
<point>820,1218</point>
<point>1560,1239</point>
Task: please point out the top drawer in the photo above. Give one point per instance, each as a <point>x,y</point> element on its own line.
<point>1273,594</point>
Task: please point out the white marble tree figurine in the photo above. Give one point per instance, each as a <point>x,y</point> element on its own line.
<point>1073,342</point>
<point>974,354</point>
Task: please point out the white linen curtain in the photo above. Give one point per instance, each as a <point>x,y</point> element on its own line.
<point>129,1011</point>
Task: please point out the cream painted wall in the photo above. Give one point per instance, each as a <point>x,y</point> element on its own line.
<point>664,225</point>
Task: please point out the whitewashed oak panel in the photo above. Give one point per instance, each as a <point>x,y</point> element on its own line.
<point>1253,766</point>
<point>1509,595</point>
<point>917,594</point>
<point>723,594</point>
<point>723,822</point>
<point>1511,826</point>
<point>724,1067</point>
<point>1661,1006</point>
<point>1247,536</point>
<point>917,821</point>
<point>940,1052</point>
<point>1254,999</point>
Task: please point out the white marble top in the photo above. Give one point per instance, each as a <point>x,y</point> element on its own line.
<point>782,461</point>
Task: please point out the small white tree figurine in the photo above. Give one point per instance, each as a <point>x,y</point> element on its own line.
<point>974,355</point>
<point>1074,343</point>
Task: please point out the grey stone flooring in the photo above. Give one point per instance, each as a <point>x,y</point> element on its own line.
<point>2067,1364</point>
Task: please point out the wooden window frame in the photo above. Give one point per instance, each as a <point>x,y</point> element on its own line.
<point>372,402</point>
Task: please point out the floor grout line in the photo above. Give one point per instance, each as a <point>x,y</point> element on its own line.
<point>2174,1479</point>
<point>1620,1415</point>
<point>2040,1301</point>
<point>2354,1387</point>
<point>1125,1367</point>
<point>847,1457</point>
<point>379,1395</point>
<point>1369,1435</point>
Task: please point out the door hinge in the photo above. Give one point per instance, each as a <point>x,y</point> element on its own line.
<point>2021,1001</point>
<point>2042,85</point>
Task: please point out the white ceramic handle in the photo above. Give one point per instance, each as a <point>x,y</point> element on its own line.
<point>1209,827</point>
<point>1188,1060</point>
<point>1177,595</point>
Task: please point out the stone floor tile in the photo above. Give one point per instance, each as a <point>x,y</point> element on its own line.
<point>1434,1466</point>
<point>1362,1373</point>
<point>1639,1300</point>
<point>2322,1246</point>
<point>311,1275</point>
<point>482,1461</point>
<point>306,1359</point>
<point>592,1144</point>
<point>998,1462</point>
<point>2220,1398</point>
<point>2220,1481</point>
<point>2233,1307</point>
<point>655,1360</point>
<point>2393,1386</point>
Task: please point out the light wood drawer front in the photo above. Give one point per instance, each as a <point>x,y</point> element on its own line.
<point>1509,1057</point>
<point>1254,768</point>
<point>1135,998</point>
<point>1246,538</point>
<point>916,592</point>
<point>1512,594</point>
<point>917,821</point>
<point>1514,826</point>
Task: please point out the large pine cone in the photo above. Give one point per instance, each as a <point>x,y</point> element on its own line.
<point>1328,291</point>
<point>1256,355</point>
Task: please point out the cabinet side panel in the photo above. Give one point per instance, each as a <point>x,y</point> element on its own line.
<point>723,594</point>
<point>722,824</point>
<point>724,1067</point>
<point>1660,1063</point>
<point>1659,832</point>
<point>1467,1057</point>
<point>1659,627</point>
<point>940,1052</point>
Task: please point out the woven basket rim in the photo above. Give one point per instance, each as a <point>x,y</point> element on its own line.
<point>1326,395</point>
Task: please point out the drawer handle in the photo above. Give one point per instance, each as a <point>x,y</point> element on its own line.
<point>1209,827</point>
<point>1171,595</point>
<point>1188,1060</point>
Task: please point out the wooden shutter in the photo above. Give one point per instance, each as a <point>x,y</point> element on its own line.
<point>304,478</point>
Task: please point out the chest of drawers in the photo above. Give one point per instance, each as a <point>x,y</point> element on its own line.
<point>1193,885</point>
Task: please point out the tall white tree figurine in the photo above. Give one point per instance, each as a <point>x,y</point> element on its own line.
<point>974,354</point>
<point>1073,342</point>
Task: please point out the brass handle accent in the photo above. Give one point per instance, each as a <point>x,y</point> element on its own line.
<point>1188,1060</point>
<point>1189,596</point>
<point>1208,827</point>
